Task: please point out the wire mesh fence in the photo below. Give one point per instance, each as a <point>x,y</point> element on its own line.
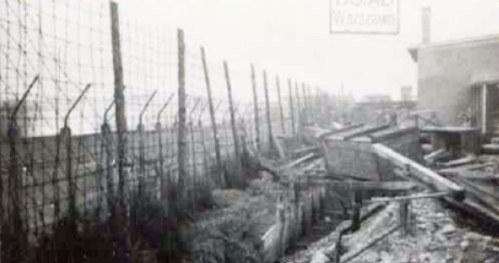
<point>71,146</point>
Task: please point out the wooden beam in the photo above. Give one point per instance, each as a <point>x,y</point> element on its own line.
<point>363,132</point>
<point>298,161</point>
<point>344,129</point>
<point>409,197</point>
<point>366,185</point>
<point>418,172</point>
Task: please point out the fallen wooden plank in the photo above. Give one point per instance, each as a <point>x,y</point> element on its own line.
<point>419,172</point>
<point>472,177</point>
<point>361,132</point>
<point>406,198</point>
<point>307,150</point>
<point>351,255</point>
<point>344,129</point>
<point>381,136</point>
<point>461,161</point>
<point>487,198</point>
<point>431,157</point>
<point>464,168</point>
<point>397,186</point>
<point>298,161</point>
<point>475,210</point>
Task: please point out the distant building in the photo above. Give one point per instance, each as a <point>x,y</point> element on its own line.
<point>459,81</point>
<point>377,98</point>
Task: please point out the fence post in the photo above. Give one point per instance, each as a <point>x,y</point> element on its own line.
<point>193,185</point>
<point>255,102</point>
<point>213,121</point>
<point>306,106</point>
<point>203,145</point>
<point>267,111</point>
<point>280,104</point>
<point>18,243</point>
<point>119,214</point>
<point>66,134</point>
<point>404,216</point>
<point>298,106</point>
<point>182,127</point>
<point>161,170</point>
<point>233,121</point>
<point>107,149</point>
<point>142,155</point>
<point>291,107</point>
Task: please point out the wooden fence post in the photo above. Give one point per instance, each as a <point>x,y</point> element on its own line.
<point>291,107</point>
<point>306,105</point>
<point>182,128</point>
<point>311,107</point>
<point>267,109</point>
<point>255,102</point>
<point>280,104</point>
<point>404,215</point>
<point>298,106</point>
<point>120,213</point>
<point>213,121</point>
<point>233,121</point>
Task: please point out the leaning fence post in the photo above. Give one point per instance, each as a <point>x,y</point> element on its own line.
<point>162,181</point>
<point>120,210</point>
<point>267,107</point>
<point>233,120</point>
<point>280,104</point>
<point>66,134</point>
<point>255,103</point>
<point>15,185</point>
<point>142,165</point>
<point>106,149</point>
<point>213,121</point>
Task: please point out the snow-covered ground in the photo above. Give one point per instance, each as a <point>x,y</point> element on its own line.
<point>434,237</point>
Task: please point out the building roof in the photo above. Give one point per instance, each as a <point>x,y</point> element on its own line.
<point>464,42</point>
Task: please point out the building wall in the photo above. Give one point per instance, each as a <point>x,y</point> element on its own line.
<point>446,72</point>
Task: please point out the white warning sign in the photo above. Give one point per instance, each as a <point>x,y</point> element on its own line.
<point>364,16</point>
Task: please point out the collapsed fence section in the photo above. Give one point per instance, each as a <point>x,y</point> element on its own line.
<point>97,110</point>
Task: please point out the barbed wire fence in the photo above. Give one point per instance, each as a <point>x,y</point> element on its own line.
<point>97,109</point>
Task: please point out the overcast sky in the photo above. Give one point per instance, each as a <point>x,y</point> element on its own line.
<point>291,37</point>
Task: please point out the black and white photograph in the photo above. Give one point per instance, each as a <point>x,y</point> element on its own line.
<point>249,131</point>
